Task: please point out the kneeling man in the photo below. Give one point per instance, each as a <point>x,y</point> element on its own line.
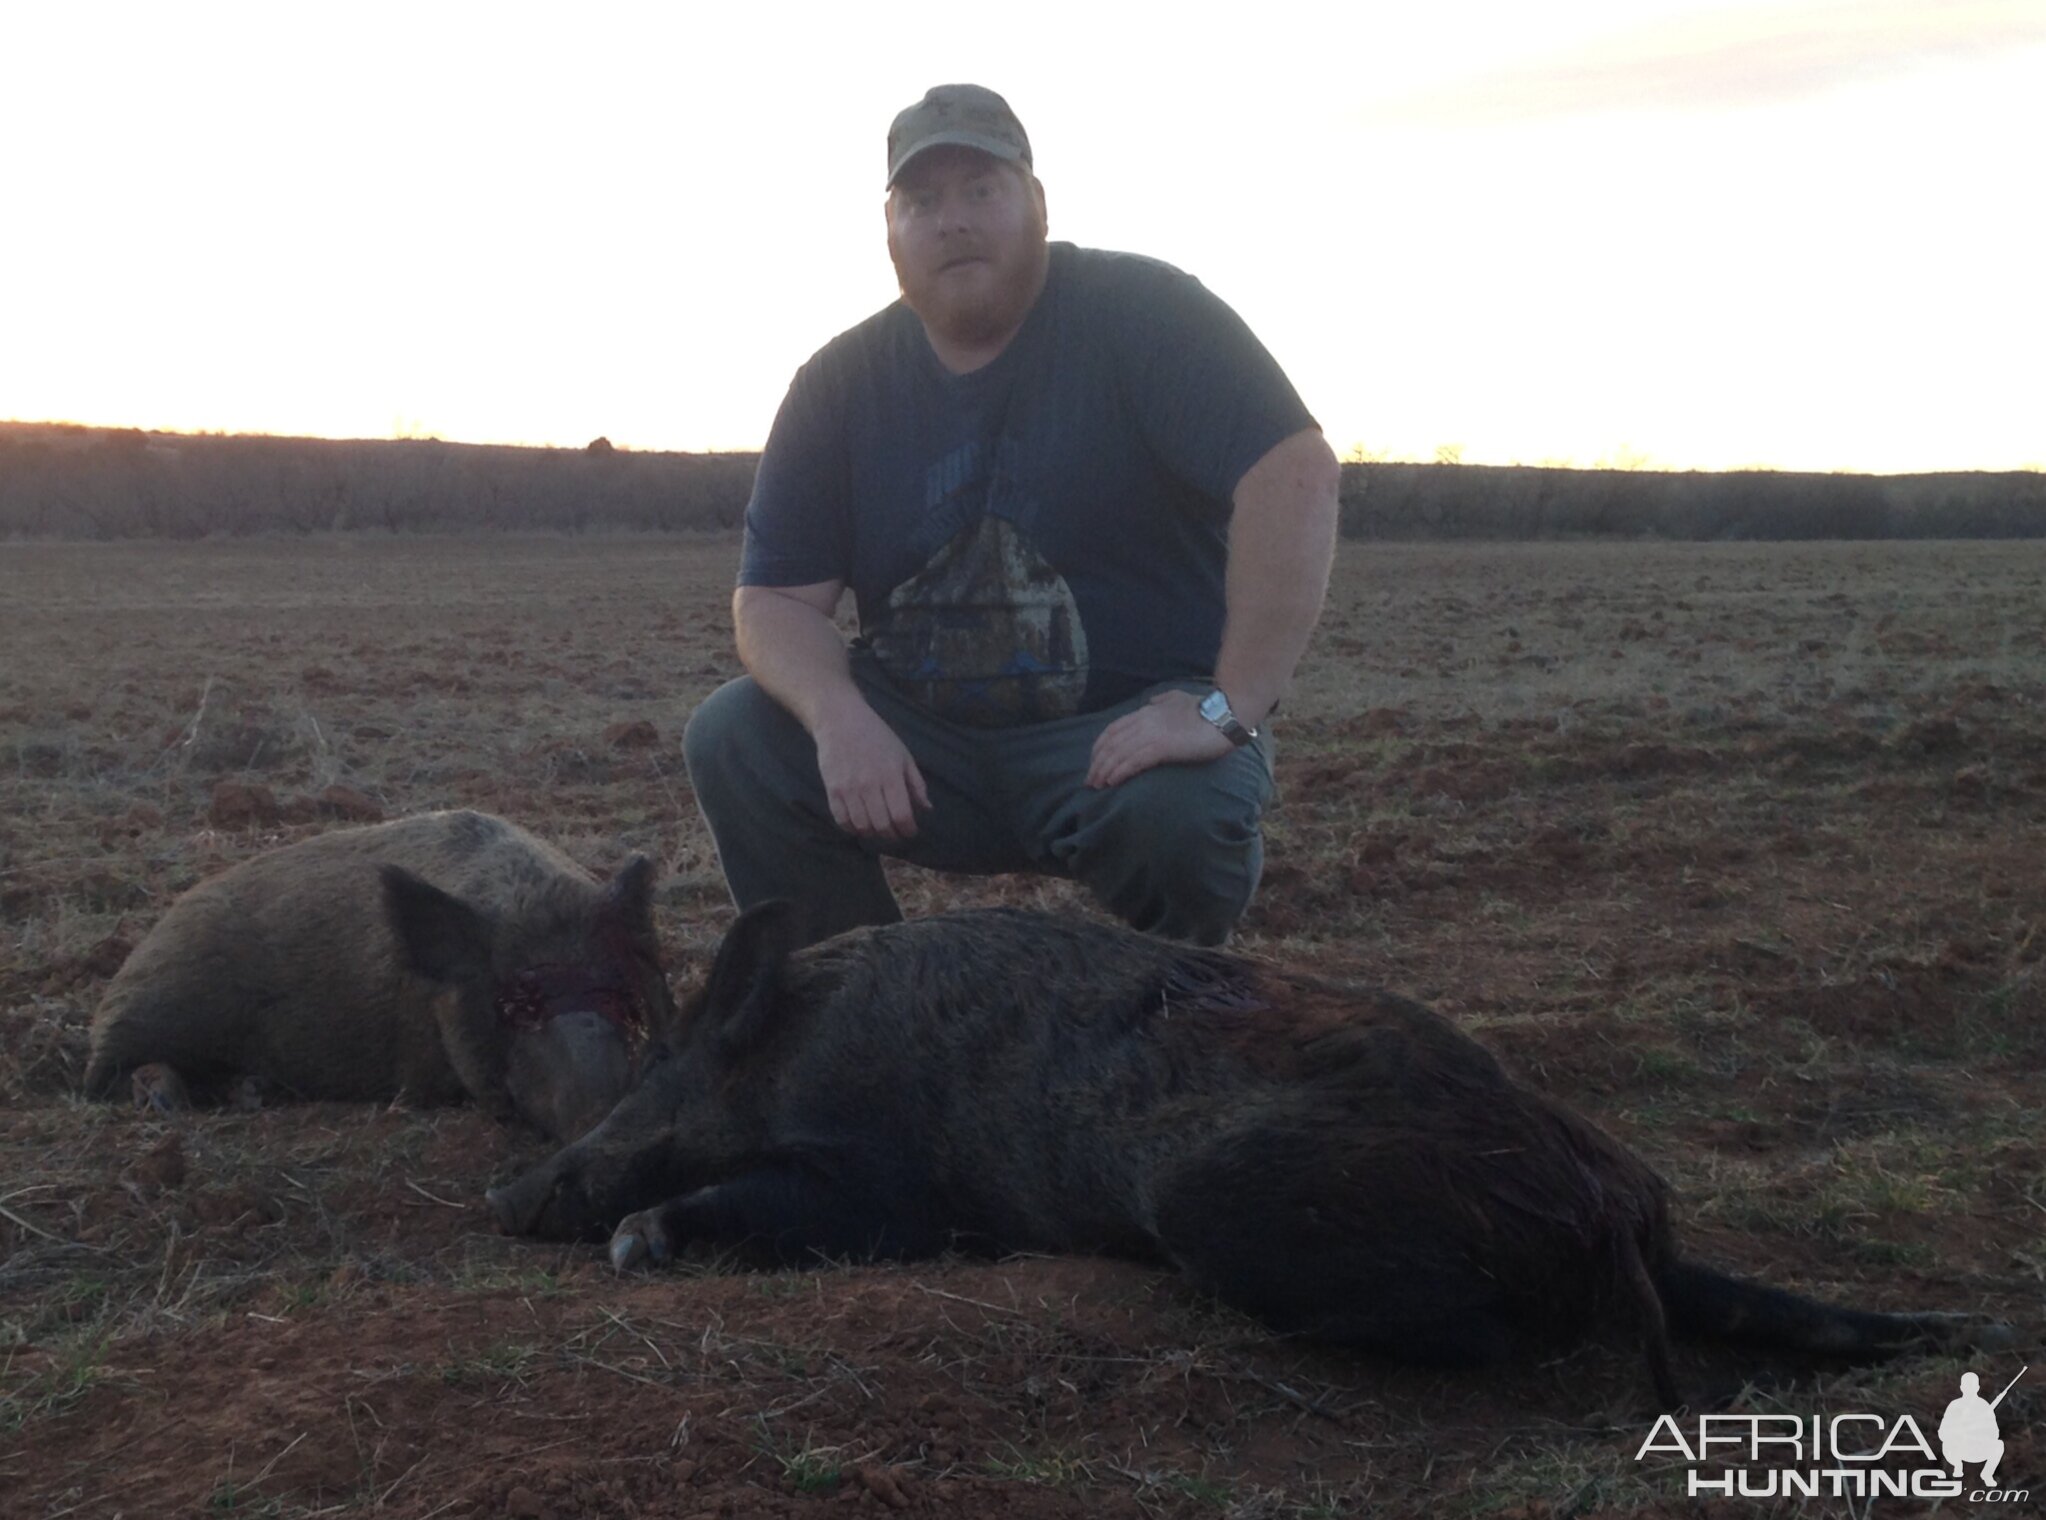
<point>1087,523</point>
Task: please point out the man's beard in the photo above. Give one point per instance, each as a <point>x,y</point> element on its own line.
<point>994,312</point>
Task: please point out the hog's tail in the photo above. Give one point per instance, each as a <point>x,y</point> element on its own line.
<point>1712,1305</point>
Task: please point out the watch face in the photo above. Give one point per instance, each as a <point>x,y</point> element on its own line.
<point>1215,706</point>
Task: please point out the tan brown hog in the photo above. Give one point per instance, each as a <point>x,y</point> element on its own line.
<point>423,960</point>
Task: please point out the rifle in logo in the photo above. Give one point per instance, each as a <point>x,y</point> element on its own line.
<point>1968,1431</point>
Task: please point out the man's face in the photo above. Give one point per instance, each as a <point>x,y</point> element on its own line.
<point>967,235</point>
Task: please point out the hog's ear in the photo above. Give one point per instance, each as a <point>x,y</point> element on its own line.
<point>627,906</point>
<point>629,898</point>
<point>438,936</point>
<point>738,1000</point>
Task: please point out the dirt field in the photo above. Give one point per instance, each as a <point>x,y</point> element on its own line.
<point>1739,849</point>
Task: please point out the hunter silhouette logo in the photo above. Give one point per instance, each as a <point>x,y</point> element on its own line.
<point>1968,1431</point>
<point>1853,1456</point>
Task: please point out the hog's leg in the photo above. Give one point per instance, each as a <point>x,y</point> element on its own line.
<point>157,1088</point>
<point>466,1039</point>
<point>447,942</point>
<point>1253,1221</point>
<point>779,1213</point>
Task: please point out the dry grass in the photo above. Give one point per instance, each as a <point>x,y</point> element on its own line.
<point>1735,848</point>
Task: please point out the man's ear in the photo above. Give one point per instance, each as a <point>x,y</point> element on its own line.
<point>738,1000</point>
<point>438,936</point>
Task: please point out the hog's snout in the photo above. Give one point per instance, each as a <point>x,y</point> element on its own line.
<point>567,1073</point>
<point>505,1210</point>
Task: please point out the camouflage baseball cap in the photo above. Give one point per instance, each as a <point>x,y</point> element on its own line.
<point>962,115</point>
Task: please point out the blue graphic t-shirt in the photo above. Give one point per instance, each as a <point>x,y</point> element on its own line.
<point>1048,533</point>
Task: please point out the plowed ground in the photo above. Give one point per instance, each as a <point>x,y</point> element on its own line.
<point>1738,849</point>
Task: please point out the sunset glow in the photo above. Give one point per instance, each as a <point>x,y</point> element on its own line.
<point>1696,235</point>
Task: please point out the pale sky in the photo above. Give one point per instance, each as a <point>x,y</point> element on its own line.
<point>1804,234</point>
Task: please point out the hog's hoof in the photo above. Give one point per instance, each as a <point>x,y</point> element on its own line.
<point>639,1241</point>
<point>249,1094</point>
<point>159,1090</point>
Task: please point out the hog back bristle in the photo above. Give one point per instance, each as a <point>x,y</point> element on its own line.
<point>1332,1159</point>
<point>1397,1153</point>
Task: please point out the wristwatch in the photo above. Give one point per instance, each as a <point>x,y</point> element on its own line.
<point>1215,708</point>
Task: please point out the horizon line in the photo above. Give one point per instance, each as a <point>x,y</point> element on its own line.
<point>1628,460</point>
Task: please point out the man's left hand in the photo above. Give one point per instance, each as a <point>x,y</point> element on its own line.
<point>1167,730</point>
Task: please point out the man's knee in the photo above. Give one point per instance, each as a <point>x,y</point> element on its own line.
<point>1182,810</point>
<point>1175,851</point>
<point>736,732</point>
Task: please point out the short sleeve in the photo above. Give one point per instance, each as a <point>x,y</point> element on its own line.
<point>798,526</point>
<point>1209,398</point>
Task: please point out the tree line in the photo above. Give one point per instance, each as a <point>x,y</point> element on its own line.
<point>61,481</point>
<point>1459,501</point>
<point>121,483</point>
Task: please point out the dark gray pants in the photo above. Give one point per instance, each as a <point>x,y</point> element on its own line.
<point>1174,850</point>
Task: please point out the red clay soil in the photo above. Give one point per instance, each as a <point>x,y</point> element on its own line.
<point>1737,850</point>
<point>439,1369</point>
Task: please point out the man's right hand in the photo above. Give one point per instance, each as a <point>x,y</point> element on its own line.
<point>789,644</point>
<point>874,785</point>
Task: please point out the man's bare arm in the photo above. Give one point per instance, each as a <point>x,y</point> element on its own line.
<point>1282,537</point>
<point>1282,541</point>
<point>790,645</point>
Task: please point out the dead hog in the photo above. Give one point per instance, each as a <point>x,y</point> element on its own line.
<point>1337,1161</point>
<point>424,959</point>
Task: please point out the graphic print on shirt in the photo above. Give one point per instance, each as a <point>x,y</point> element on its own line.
<point>987,633</point>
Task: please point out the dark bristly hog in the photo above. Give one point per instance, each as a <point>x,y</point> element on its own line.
<point>427,959</point>
<point>1337,1161</point>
